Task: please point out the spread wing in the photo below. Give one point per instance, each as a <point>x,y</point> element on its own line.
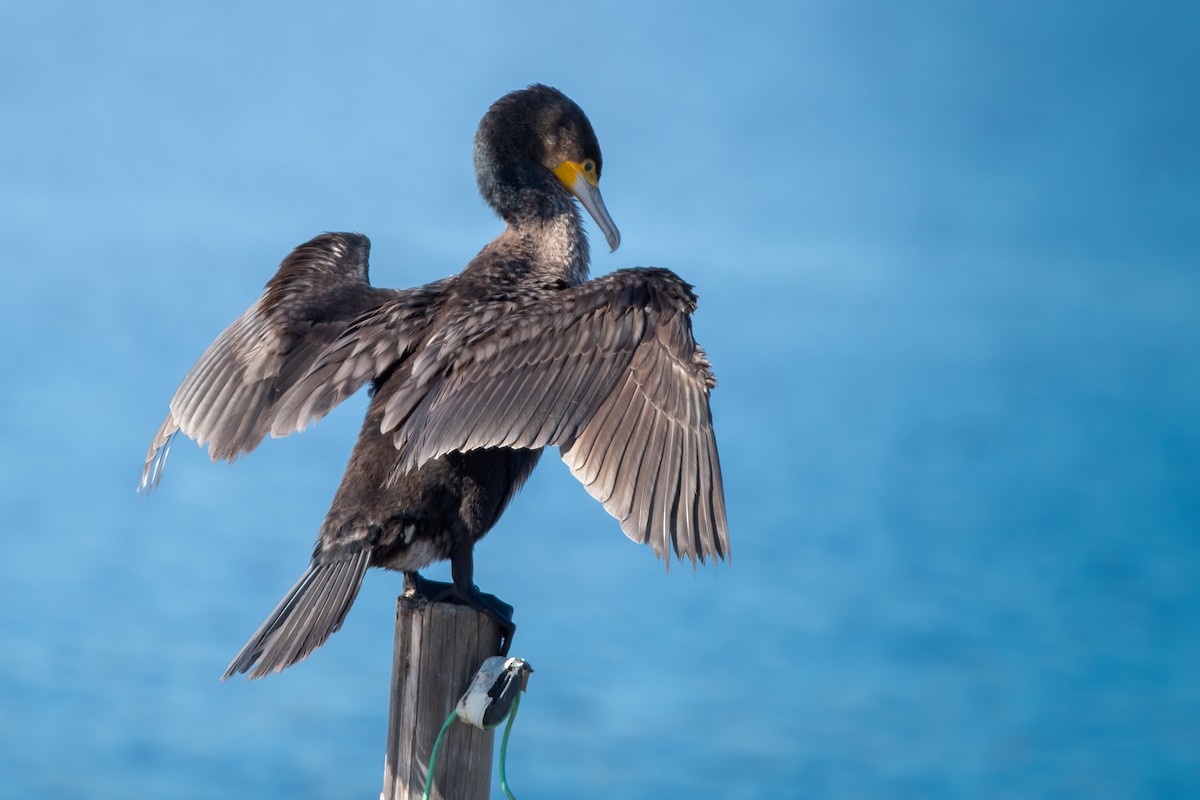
<point>227,398</point>
<point>609,371</point>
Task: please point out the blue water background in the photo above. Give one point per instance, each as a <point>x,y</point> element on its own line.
<point>949,264</point>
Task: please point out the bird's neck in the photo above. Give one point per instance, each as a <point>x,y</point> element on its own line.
<point>544,239</point>
<point>556,244</point>
<point>541,244</point>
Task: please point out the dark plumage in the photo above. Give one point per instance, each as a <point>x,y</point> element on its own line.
<point>471,376</point>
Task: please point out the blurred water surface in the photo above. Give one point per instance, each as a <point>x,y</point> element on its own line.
<point>947,260</point>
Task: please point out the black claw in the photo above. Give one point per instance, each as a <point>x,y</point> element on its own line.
<point>499,611</point>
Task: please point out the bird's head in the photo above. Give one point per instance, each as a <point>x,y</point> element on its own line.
<point>533,132</point>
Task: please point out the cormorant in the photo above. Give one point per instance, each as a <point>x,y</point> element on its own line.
<point>471,377</point>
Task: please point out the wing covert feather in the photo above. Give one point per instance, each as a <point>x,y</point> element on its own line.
<point>364,350</point>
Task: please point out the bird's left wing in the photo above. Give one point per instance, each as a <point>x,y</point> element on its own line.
<point>609,371</point>
<point>227,398</point>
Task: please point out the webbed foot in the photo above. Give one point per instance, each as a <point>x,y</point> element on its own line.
<point>499,611</point>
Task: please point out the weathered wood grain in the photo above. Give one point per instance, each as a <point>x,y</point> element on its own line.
<point>438,649</point>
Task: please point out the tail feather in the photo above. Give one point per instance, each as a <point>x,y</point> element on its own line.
<point>309,614</point>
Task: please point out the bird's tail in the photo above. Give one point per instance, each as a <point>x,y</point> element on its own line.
<point>312,611</point>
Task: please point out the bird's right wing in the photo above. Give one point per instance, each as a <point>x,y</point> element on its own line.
<point>607,370</point>
<point>227,398</point>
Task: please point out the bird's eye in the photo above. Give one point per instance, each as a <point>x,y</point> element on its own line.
<point>589,165</point>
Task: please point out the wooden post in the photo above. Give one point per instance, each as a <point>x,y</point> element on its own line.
<point>439,647</point>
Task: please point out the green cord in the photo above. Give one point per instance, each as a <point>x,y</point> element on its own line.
<point>512,715</point>
<point>437,745</point>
